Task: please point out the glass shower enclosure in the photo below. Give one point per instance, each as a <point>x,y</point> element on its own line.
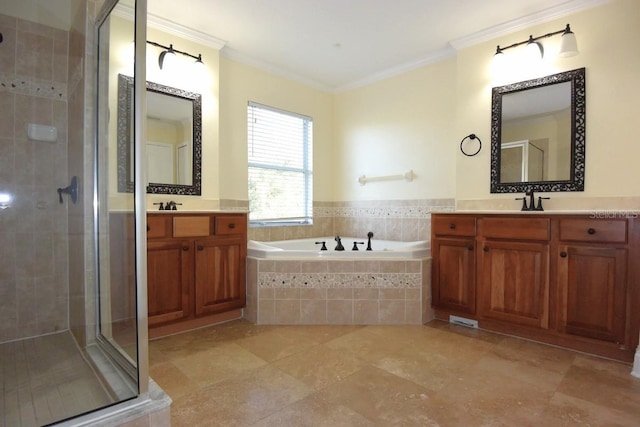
<point>69,306</point>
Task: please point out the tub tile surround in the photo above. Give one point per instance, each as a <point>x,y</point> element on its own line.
<point>359,292</point>
<point>372,292</point>
<point>401,220</point>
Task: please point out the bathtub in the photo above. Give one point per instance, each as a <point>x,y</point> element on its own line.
<point>295,283</point>
<point>308,248</point>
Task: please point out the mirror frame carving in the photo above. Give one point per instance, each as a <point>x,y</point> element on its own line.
<point>578,131</point>
<point>125,105</point>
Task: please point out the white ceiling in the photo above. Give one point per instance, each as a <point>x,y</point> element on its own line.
<point>338,44</point>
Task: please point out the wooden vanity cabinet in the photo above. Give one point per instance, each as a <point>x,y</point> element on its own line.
<point>592,279</point>
<point>195,269</point>
<point>513,274</point>
<point>454,275</point>
<point>568,280</point>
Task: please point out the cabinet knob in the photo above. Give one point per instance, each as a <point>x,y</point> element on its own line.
<point>452,226</point>
<point>486,249</point>
<point>200,247</point>
<point>232,225</point>
<point>591,231</point>
<point>563,254</point>
<point>185,248</point>
<point>148,228</point>
<point>470,247</point>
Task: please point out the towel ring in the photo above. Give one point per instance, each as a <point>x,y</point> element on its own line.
<point>471,136</point>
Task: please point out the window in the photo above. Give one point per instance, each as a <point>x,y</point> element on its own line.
<point>280,166</point>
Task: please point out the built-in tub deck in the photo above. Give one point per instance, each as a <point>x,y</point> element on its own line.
<point>294,282</point>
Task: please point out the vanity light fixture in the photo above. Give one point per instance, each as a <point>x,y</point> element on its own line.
<point>568,45</point>
<point>170,52</point>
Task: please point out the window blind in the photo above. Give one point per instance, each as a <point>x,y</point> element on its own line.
<point>280,165</point>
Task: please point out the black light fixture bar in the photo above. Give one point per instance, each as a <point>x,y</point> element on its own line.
<point>170,48</point>
<point>532,39</point>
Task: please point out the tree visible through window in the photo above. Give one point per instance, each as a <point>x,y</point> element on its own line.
<point>280,165</point>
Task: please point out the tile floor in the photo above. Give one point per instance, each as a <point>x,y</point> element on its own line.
<point>46,379</point>
<point>241,374</point>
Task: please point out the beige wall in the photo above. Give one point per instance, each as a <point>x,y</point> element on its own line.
<point>393,126</point>
<point>415,121</point>
<point>239,85</point>
<point>611,70</point>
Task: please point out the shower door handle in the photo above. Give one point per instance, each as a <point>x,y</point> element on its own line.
<point>71,190</point>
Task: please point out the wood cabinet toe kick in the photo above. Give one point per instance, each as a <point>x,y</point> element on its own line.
<point>567,280</point>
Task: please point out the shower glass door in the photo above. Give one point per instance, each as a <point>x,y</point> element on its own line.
<point>115,212</point>
<point>68,339</point>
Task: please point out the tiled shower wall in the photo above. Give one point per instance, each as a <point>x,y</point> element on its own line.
<point>400,220</point>
<point>33,231</point>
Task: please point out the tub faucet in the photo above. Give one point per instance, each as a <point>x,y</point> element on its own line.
<point>323,247</point>
<point>369,235</point>
<point>339,246</point>
<point>355,245</point>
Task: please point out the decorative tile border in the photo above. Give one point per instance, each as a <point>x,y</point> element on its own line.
<point>340,280</point>
<point>34,87</point>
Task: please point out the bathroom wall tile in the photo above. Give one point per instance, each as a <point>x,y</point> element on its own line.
<point>392,266</point>
<point>266,311</point>
<point>34,53</point>
<point>266,266</point>
<point>365,293</point>
<point>339,293</point>
<point>266,293</point>
<point>314,266</point>
<point>7,105</point>
<point>413,294</point>
<point>341,267</point>
<point>287,312</point>
<point>288,267</point>
<point>287,293</point>
<point>24,255</point>
<point>366,266</point>
<point>313,312</point>
<point>252,277</point>
<point>410,229</point>
<point>413,312</point>
<point>365,312</point>
<point>413,266</point>
<point>340,312</point>
<point>398,294</point>
<point>392,312</point>
<point>7,256</point>
<point>8,51</point>
<point>313,293</point>
<point>394,230</point>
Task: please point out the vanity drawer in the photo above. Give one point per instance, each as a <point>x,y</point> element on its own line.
<point>158,226</point>
<point>230,224</point>
<point>451,225</point>
<point>516,228</point>
<point>191,226</point>
<point>594,230</point>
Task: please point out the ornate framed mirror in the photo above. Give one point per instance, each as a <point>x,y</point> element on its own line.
<point>538,134</point>
<point>174,139</point>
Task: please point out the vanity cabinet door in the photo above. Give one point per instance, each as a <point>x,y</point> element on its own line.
<point>592,291</point>
<point>514,282</point>
<point>453,279</point>
<point>169,280</point>
<point>220,275</point>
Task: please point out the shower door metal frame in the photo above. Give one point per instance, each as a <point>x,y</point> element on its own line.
<point>141,374</point>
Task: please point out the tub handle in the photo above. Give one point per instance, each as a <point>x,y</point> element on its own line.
<point>323,247</point>
<point>355,245</point>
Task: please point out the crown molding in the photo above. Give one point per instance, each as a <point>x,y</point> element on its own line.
<point>437,56</point>
<point>236,56</point>
<point>527,21</point>
<point>158,23</point>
